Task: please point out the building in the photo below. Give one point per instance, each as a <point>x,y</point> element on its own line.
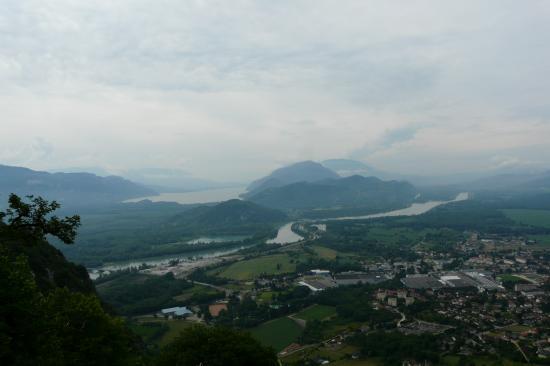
<point>355,278</point>
<point>177,312</point>
<point>422,282</point>
<point>317,283</point>
<point>320,272</point>
<point>521,287</point>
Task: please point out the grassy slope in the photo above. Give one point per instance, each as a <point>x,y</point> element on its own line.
<point>325,253</point>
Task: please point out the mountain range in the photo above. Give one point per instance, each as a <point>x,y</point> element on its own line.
<point>369,193</point>
<point>538,182</point>
<point>71,189</point>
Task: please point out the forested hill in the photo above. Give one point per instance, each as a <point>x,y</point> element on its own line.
<point>228,215</point>
<point>355,191</point>
<point>72,189</point>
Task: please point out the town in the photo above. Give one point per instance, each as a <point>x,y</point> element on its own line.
<point>484,296</point>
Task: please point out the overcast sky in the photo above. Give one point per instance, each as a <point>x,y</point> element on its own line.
<point>229,90</point>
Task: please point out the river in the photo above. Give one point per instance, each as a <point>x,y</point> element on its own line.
<point>155,261</point>
<point>285,235</point>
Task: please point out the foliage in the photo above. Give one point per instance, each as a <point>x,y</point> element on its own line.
<point>394,348</point>
<point>216,346</point>
<point>313,332</point>
<point>146,229</point>
<point>33,220</point>
<point>135,293</point>
<point>60,328</point>
<point>23,233</point>
<point>355,303</point>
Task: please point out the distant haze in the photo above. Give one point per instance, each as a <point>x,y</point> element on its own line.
<point>230,90</point>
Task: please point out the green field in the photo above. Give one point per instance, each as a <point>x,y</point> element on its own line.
<point>277,333</point>
<point>198,292</point>
<point>542,240</point>
<point>266,296</point>
<point>316,312</point>
<point>325,253</point>
<point>540,218</point>
<point>511,278</point>
<point>253,268</point>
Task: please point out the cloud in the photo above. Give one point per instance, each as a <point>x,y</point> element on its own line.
<point>398,135</point>
<point>230,91</point>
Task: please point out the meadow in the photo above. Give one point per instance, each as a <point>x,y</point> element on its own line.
<point>540,218</point>
<point>277,333</point>
<point>255,267</point>
<point>316,312</point>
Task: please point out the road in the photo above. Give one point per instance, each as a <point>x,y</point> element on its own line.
<point>403,318</point>
<point>227,291</point>
<point>515,343</point>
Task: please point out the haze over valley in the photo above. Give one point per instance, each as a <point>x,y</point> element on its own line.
<point>274,183</point>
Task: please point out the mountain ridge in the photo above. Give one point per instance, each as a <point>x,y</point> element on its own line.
<point>72,189</point>
<point>354,191</point>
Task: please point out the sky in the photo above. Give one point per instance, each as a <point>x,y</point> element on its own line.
<point>229,90</point>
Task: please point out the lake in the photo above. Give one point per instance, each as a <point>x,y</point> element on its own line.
<point>206,196</point>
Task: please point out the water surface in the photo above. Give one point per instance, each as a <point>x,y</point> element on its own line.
<point>207,196</point>
<point>285,235</point>
<point>217,239</point>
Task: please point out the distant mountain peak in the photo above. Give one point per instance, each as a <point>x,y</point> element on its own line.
<point>303,171</point>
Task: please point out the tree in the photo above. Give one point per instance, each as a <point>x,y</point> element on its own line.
<point>60,328</point>
<point>84,333</point>
<point>24,228</point>
<point>20,323</point>
<point>34,219</point>
<point>200,345</point>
